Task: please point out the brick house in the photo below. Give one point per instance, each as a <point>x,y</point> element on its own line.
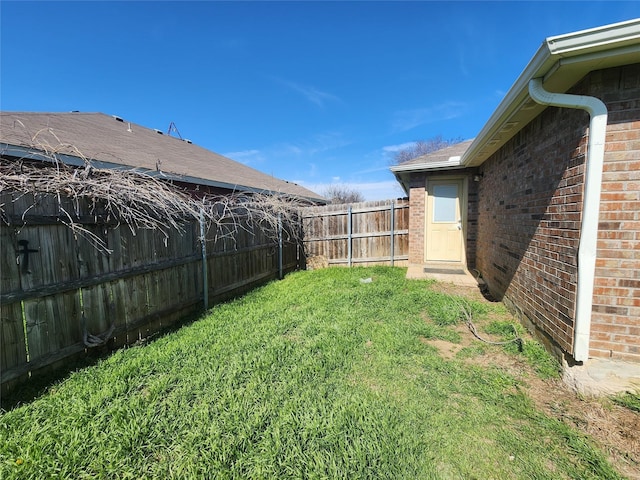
<point>111,142</point>
<point>544,204</point>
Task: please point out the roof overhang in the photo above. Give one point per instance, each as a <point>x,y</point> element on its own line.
<point>403,171</point>
<point>561,61</point>
<point>451,162</point>
<point>21,152</point>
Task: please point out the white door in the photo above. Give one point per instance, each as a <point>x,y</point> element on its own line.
<point>444,233</point>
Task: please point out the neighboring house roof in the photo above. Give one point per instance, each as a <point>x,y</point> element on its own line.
<point>447,158</point>
<point>561,62</point>
<point>111,142</point>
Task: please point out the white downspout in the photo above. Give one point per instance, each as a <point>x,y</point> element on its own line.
<point>590,205</point>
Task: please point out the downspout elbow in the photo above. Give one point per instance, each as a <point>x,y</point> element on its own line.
<point>594,164</point>
<point>593,105</point>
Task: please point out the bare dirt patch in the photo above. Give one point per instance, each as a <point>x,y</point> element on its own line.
<point>472,293</point>
<point>446,349</point>
<point>615,429</point>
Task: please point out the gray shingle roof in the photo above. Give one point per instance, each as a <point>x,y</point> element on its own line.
<point>118,142</point>
<point>441,155</point>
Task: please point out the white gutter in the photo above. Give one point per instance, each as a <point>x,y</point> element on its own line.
<point>590,205</point>
<point>451,162</point>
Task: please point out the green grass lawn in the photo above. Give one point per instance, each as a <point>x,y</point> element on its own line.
<point>316,376</point>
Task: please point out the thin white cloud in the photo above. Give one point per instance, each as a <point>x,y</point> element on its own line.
<point>318,143</point>
<point>323,142</point>
<point>462,63</point>
<point>248,157</point>
<point>285,149</point>
<point>384,168</point>
<point>405,120</point>
<point>398,147</point>
<point>311,93</point>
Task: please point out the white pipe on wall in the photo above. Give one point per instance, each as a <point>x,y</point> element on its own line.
<point>590,205</point>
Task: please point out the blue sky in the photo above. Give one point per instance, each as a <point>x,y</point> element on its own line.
<point>312,92</point>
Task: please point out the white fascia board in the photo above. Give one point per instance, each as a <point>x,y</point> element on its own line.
<point>451,163</point>
<point>402,172</point>
<point>558,57</point>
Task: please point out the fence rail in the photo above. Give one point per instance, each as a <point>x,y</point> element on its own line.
<point>369,233</point>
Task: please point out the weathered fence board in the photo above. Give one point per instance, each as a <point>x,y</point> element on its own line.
<point>51,323</point>
<point>13,342</point>
<point>58,290</point>
<point>367,233</point>
<point>98,308</point>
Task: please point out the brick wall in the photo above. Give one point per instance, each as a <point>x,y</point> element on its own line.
<point>615,324</point>
<point>529,212</point>
<point>417,218</point>
<point>529,215</point>
<point>472,220</point>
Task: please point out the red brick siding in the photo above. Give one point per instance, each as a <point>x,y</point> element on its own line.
<point>529,214</point>
<point>417,216</point>
<point>530,202</point>
<point>615,322</point>
<point>472,221</point>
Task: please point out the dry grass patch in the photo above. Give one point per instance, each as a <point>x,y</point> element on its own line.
<point>616,429</point>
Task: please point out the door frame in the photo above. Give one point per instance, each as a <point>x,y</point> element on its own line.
<point>464,207</point>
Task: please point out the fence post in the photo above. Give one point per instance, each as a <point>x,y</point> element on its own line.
<point>393,206</point>
<point>203,243</point>
<point>280,249</point>
<point>349,235</point>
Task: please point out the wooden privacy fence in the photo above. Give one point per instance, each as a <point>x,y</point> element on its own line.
<point>60,296</point>
<point>368,233</point>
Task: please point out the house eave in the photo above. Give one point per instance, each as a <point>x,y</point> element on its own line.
<point>403,172</point>
<point>452,162</point>
<point>21,152</point>
<point>561,61</point>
